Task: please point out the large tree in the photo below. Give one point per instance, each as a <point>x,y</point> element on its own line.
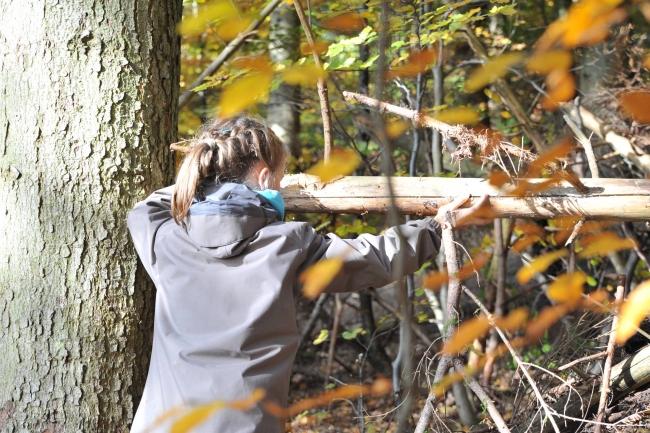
<point>87,110</point>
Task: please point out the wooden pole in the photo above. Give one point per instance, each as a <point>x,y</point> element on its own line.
<point>605,199</point>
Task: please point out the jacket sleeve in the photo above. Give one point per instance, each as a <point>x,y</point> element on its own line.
<point>369,261</point>
<point>144,221</point>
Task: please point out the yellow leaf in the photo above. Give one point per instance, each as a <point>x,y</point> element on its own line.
<point>475,327</point>
<point>342,163</point>
<point>545,62</point>
<point>492,70</point>
<point>540,264</point>
<point>345,22</point>
<point>447,380</point>
<point>545,319</point>
<point>506,115</point>
<point>319,275</point>
<point>243,93</point>
<point>567,288</point>
<point>454,116</point>
<point>561,85</point>
<point>258,63</point>
<point>633,311</point>
<point>230,29</point>
<point>304,75</point>
<point>249,402</point>
<point>196,25</point>
<point>513,321</point>
<point>637,104</point>
<point>605,243</point>
<point>196,416</point>
<point>397,128</point>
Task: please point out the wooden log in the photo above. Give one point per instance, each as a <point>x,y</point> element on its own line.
<point>605,199</point>
<point>626,376</point>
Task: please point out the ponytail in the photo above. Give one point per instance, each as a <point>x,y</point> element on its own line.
<point>225,151</point>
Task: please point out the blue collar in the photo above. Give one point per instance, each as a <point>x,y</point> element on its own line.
<point>274,198</point>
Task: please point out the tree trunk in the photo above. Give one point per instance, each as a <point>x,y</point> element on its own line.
<point>283,113</point>
<point>87,112</point>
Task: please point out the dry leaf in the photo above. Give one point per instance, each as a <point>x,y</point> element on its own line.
<point>320,47</point>
<point>243,93</point>
<point>304,75</point>
<point>498,178</point>
<point>495,68</point>
<point>561,87</point>
<point>636,105</point>
<point>512,321</point>
<point>342,163</point>
<point>545,319</point>
<point>416,63</point>
<point>602,244</point>
<point>545,62</point>
<point>476,327</point>
<point>557,150</point>
<point>319,275</point>
<point>540,264</point>
<point>567,288</point>
<point>633,311</point>
<point>345,22</point>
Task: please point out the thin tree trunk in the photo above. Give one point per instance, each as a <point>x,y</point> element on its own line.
<point>87,112</point>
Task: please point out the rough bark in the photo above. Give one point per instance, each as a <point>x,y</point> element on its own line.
<point>87,110</point>
<point>283,114</point>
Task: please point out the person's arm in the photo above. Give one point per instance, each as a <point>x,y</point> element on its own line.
<point>370,261</point>
<point>144,221</point>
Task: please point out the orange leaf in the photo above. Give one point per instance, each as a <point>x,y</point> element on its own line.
<point>475,327</point>
<point>540,264</point>
<point>342,162</point>
<point>416,63</point>
<point>447,380</point>
<point>558,150</point>
<point>434,280</point>
<point>512,321</point>
<point>397,128</point>
<point>561,85</point>
<point>567,288</point>
<point>498,178</point>
<point>545,62</point>
<point>258,63</point>
<point>345,22</point>
<point>319,275</point>
<point>243,93</point>
<point>495,68</point>
<point>545,319</point>
<point>320,47</point>
<point>604,243</point>
<point>636,105</point>
<point>249,402</point>
<point>524,242</point>
<point>633,311</point>
<point>530,229</point>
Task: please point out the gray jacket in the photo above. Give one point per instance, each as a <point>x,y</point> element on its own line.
<point>225,321</point>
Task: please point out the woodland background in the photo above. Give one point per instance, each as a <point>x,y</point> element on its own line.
<point>91,103</point>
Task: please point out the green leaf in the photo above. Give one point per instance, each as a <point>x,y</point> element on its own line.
<point>592,281</point>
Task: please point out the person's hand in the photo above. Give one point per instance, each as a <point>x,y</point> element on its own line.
<point>475,215</point>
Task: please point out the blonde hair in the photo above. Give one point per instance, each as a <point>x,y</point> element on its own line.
<point>225,150</point>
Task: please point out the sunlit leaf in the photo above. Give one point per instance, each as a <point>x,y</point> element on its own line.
<point>304,75</point>
<point>319,275</point>
<point>345,22</point>
<point>492,70</point>
<point>243,93</point>
<point>455,116</point>
<point>524,242</point>
<point>547,61</point>
<point>397,128</point>
<point>529,229</point>
<point>475,327</point>
<point>324,335</point>
<point>223,10</point>
<point>416,63</point>
<point>540,264</point>
<point>196,416</point>
<point>567,288</point>
<point>588,22</point>
<point>258,63</point>
<point>545,319</point>
<point>342,163</point>
<point>231,28</point>
<point>435,280</point>
<point>561,87</point>
<point>558,150</point>
<point>637,104</point>
<point>512,321</point>
<point>633,311</point>
<point>439,389</point>
<point>604,243</point>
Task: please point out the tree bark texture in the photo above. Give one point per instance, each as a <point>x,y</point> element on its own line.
<point>609,199</point>
<point>87,111</point>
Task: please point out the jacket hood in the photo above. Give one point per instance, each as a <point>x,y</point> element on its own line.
<point>225,221</point>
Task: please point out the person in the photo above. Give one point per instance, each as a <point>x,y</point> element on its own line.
<point>226,269</point>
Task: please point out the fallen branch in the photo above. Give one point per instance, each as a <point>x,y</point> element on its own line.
<point>225,54</point>
<point>583,359</point>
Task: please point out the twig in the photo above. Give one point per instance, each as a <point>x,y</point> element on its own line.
<point>416,330</point>
<point>312,319</point>
<point>227,52</point>
<point>574,233</point>
<point>607,370</point>
<point>322,84</point>
<point>586,143</point>
<point>335,332</point>
<point>515,356</point>
<point>583,359</point>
